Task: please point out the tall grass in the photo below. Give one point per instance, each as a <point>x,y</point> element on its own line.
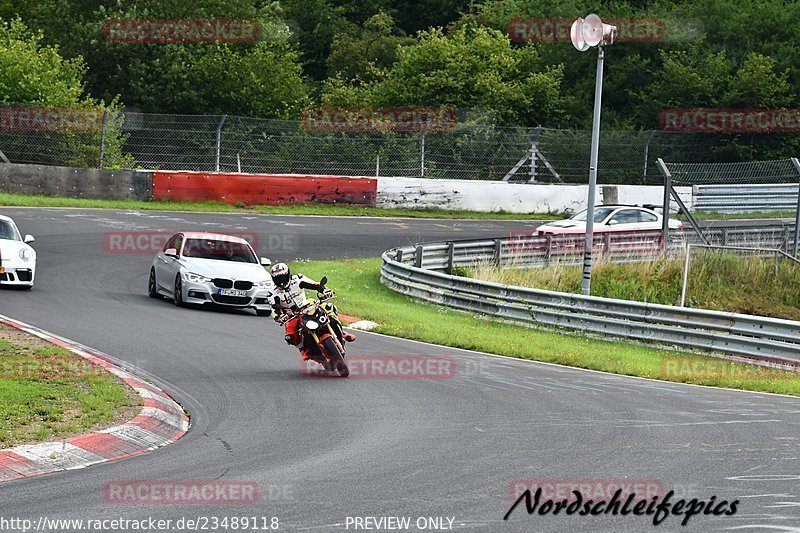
<point>717,280</point>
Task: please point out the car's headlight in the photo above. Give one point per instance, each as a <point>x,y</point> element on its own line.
<point>26,254</point>
<point>195,278</point>
<point>312,324</point>
<point>263,284</point>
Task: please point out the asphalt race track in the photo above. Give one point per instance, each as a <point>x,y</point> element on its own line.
<point>322,450</point>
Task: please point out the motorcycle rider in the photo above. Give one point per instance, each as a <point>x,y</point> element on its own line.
<point>289,296</point>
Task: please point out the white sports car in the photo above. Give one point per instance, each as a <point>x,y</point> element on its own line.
<point>611,218</point>
<point>209,268</point>
<point>17,258</point>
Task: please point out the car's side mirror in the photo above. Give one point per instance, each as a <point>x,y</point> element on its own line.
<point>323,281</point>
<point>613,221</point>
<point>172,252</point>
<point>28,238</point>
<point>265,262</point>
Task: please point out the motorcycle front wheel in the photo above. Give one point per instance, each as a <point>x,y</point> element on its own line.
<point>335,356</point>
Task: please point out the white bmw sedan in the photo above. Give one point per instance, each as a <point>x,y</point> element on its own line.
<point>17,258</point>
<point>209,268</point>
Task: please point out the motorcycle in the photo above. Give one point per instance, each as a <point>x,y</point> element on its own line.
<point>317,331</point>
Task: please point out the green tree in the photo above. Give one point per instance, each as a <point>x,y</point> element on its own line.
<point>366,57</point>
<point>170,77</point>
<point>33,73</point>
<point>474,68</point>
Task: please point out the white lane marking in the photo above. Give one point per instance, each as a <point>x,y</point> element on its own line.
<point>768,496</point>
<point>709,423</point>
<point>766,477</point>
<point>786,529</point>
<point>778,505</point>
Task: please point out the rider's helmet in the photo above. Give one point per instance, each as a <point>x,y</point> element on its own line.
<point>280,274</point>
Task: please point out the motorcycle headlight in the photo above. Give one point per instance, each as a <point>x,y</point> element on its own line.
<point>26,254</point>
<point>312,324</point>
<point>195,278</point>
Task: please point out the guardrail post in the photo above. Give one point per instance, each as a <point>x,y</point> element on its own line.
<point>451,251</point>
<point>548,251</point>
<point>724,234</point>
<point>785,243</point>
<point>103,138</point>
<point>418,257</point>
<point>398,256</point>
<point>498,251</point>
<point>219,142</point>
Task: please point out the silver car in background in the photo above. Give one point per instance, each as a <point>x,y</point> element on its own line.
<point>211,268</point>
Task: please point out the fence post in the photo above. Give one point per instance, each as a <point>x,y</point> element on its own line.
<point>796,164</point>
<point>418,257</point>
<point>399,256</point>
<point>422,152</point>
<point>498,250</point>
<point>219,141</point>
<point>607,243</point>
<point>451,252</point>
<point>647,154</point>
<point>102,138</point>
<point>685,274</point>
<point>665,206</point>
<point>724,234</point>
<point>377,164</point>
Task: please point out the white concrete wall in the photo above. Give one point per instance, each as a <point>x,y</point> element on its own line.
<point>490,196</point>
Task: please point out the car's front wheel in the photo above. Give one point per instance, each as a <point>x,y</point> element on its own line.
<point>151,285</point>
<point>177,293</point>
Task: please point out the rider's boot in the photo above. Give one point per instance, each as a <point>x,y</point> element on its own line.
<point>348,337</point>
<point>306,353</point>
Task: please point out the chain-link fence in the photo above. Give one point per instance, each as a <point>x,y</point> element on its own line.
<point>749,172</point>
<point>479,151</point>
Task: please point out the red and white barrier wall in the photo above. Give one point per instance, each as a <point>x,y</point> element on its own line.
<point>398,193</point>
<point>263,189</point>
<point>473,195</point>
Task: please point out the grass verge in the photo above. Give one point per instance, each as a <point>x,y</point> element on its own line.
<point>48,392</point>
<point>18,200</point>
<point>717,280</point>
<point>360,293</point>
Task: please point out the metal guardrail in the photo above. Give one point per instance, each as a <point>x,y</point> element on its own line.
<point>420,272</point>
<point>742,198</point>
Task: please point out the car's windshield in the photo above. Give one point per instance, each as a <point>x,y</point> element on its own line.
<point>8,231</point>
<point>221,250</point>
<point>600,213</point>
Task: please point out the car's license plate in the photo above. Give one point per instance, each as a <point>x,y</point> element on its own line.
<point>231,292</point>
